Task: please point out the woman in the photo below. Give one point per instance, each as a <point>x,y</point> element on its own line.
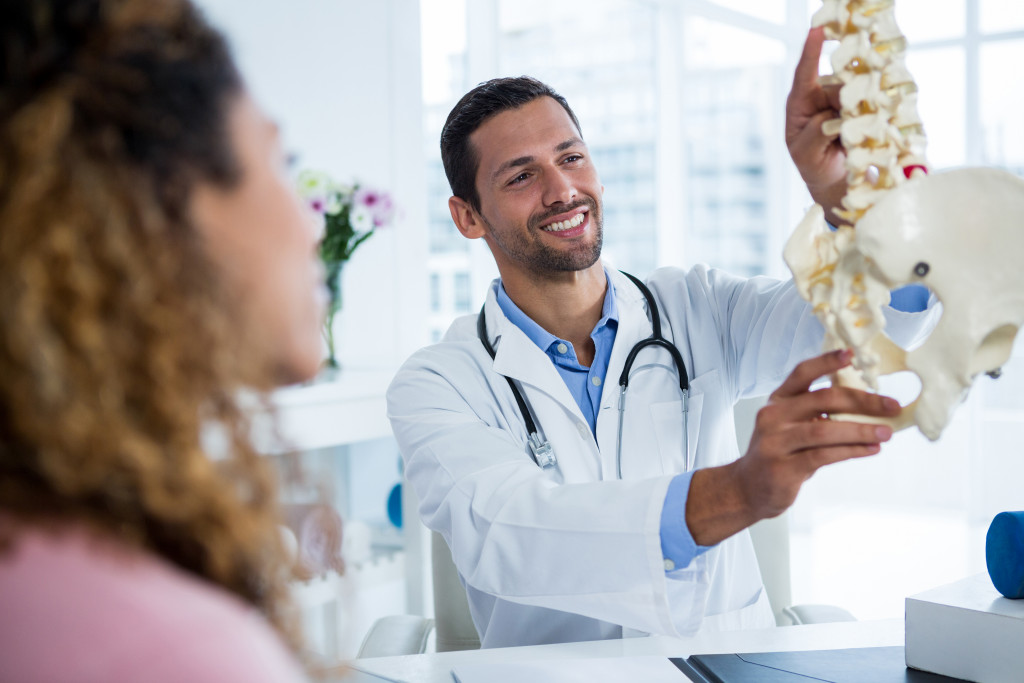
<point>153,261</point>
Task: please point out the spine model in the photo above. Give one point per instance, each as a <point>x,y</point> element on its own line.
<point>879,125</point>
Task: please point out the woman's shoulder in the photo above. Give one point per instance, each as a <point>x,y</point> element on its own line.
<point>89,607</point>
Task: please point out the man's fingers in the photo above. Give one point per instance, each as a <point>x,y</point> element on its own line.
<point>806,373</point>
<point>832,95</point>
<point>836,399</point>
<point>820,457</point>
<point>809,436</point>
<point>806,76</point>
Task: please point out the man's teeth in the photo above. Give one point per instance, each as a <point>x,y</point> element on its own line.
<point>565,225</point>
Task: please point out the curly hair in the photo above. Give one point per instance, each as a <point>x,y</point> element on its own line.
<point>118,351</point>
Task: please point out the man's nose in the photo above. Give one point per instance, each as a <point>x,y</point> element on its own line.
<point>559,188</point>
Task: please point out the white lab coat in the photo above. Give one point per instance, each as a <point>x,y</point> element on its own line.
<point>571,553</point>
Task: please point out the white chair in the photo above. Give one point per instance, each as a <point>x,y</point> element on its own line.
<point>455,628</point>
<point>771,546</point>
<point>396,634</point>
<point>408,634</point>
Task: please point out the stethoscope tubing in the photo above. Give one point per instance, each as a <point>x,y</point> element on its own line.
<point>540,449</point>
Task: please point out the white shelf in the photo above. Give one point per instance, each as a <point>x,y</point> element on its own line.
<point>346,410</point>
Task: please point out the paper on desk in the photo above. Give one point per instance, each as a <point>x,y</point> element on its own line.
<point>618,669</point>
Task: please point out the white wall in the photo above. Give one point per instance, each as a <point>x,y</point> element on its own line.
<point>342,78</point>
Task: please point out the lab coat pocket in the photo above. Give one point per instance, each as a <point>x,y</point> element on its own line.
<point>668,420</point>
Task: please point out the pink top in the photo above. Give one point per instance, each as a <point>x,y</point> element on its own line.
<point>76,608</point>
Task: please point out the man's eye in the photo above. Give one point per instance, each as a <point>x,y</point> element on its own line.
<point>519,178</point>
<point>573,158</point>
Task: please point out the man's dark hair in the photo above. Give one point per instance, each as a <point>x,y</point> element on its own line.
<point>479,104</point>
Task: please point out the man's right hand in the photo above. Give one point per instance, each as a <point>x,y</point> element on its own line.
<point>792,439</point>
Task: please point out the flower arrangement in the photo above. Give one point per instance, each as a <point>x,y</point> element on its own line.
<point>350,214</point>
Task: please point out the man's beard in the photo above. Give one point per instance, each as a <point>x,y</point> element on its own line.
<point>542,259</point>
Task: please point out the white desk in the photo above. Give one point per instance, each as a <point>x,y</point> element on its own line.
<point>436,668</point>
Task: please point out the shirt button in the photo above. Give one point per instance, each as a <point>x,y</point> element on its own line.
<point>596,381</point>
<point>562,348</point>
<point>669,565</point>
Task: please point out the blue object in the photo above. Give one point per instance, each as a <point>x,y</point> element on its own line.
<point>395,506</point>
<point>1004,553</point>
<point>910,299</point>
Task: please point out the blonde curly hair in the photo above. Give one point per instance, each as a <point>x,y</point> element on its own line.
<point>118,348</point>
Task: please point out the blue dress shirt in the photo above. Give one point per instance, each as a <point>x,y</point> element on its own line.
<point>585,384</point>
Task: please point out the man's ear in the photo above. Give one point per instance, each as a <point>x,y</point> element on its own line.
<point>467,220</point>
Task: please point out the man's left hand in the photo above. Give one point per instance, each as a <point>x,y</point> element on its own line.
<point>820,159</point>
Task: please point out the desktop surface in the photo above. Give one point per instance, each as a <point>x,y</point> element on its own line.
<point>437,667</point>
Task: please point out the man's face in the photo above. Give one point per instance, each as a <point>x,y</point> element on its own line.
<point>540,196</point>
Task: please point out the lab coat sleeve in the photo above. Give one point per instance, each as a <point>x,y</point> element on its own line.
<point>592,549</point>
<point>765,328</point>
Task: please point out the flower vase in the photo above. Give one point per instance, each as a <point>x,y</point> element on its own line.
<point>331,365</point>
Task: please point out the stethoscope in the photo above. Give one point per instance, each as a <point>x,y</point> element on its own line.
<point>540,449</point>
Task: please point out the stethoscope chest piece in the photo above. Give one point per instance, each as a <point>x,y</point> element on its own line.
<point>543,453</point>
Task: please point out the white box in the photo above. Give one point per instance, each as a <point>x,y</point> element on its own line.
<point>967,630</point>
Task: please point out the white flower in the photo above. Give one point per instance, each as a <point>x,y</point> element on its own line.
<point>314,185</point>
<point>362,218</point>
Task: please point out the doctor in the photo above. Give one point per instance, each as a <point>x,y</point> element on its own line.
<point>636,519</point>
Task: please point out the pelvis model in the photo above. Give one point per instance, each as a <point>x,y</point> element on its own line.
<point>959,232</point>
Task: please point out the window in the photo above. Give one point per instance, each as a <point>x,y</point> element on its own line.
<point>435,293</point>
<point>463,295</point>
<point>681,103</point>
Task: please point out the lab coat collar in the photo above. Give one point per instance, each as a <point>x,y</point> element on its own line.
<point>516,356</point>
<point>634,324</point>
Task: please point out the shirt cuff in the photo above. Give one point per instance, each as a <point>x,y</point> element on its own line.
<point>677,544</point>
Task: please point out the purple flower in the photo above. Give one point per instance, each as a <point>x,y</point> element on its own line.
<point>379,204</point>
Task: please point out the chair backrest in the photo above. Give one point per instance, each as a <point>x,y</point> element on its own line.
<point>771,545</point>
<point>770,536</point>
<point>454,628</point>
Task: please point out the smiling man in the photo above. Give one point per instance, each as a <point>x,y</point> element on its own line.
<point>621,513</point>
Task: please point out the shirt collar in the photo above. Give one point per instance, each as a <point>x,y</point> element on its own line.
<point>541,337</point>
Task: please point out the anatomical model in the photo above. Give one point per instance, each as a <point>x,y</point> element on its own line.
<point>956,232</point>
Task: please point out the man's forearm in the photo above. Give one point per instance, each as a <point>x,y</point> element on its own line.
<point>716,507</point>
